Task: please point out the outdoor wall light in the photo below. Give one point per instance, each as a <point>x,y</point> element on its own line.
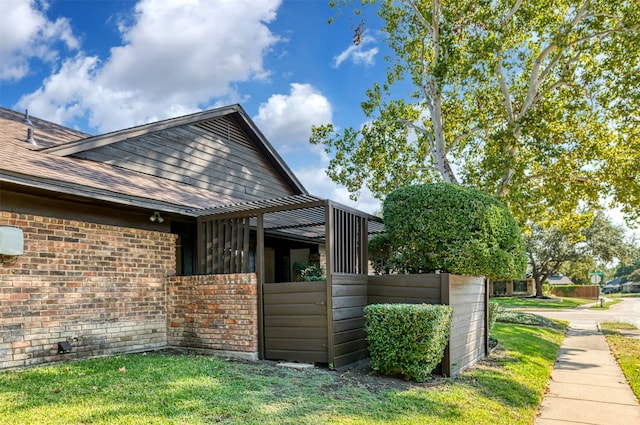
<point>156,217</point>
<point>11,244</point>
<point>64,347</point>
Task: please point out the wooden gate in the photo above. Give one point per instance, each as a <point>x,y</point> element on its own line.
<point>295,321</point>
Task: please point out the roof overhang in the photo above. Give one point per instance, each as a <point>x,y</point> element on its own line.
<point>293,216</point>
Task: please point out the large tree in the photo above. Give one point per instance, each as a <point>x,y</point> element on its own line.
<point>549,248</point>
<point>536,101</point>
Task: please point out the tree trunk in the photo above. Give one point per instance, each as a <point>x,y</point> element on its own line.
<point>539,281</point>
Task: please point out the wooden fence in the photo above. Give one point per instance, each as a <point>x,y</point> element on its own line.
<point>576,291</point>
<point>468,341</point>
<point>301,324</point>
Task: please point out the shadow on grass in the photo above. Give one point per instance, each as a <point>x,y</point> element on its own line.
<point>161,388</point>
<point>165,388</point>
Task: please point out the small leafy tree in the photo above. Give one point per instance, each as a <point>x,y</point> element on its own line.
<point>454,229</point>
<point>549,248</point>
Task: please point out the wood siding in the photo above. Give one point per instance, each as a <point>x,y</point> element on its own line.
<point>405,288</point>
<point>295,321</point>
<point>216,155</point>
<point>349,293</point>
<point>467,341</point>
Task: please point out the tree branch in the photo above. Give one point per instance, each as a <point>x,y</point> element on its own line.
<point>511,13</point>
<point>418,129</point>
<point>462,137</point>
<point>421,18</point>
<point>503,88</point>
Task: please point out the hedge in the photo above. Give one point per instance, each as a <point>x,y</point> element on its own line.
<point>407,340</point>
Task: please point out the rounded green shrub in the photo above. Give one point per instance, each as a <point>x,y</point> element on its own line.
<point>454,229</point>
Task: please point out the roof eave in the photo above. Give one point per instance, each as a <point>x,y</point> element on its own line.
<point>70,189</point>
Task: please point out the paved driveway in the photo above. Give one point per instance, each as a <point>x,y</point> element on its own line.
<point>627,311</point>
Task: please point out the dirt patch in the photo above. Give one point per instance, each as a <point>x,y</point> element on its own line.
<point>365,376</point>
<point>362,374</point>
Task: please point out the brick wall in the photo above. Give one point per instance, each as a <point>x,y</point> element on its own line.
<point>214,312</point>
<point>102,288</point>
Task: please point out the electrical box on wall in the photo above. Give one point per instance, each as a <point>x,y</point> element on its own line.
<point>11,241</point>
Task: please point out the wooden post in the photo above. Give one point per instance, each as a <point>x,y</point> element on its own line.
<point>329,232</point>
<point>260,276</point>
<point>486,317</point>
<point>445,285</point>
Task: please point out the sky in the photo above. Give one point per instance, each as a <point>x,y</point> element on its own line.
<point>103,65</point>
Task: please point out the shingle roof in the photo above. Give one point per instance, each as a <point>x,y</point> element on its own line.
<point>24,164</point>
<point>47,134</point>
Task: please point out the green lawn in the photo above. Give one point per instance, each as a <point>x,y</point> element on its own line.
<point>164,388</point>
<point>513,302</point>
<point>626,350</point>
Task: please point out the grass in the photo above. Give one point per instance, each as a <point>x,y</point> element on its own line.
<point>164,388</point>
<point>557,303</point>
<point>606,305</point>
<point>624,295</point>
<point>626,350</point>
<point>509,316</point>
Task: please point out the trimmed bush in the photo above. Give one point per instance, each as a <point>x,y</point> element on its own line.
<point>382,258</point>
<point>494,310</point>
<point>407,340</point>
<point>454,229</point>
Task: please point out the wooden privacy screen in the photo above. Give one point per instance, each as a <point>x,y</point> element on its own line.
<point>349,242</point>
<point>226,246</point>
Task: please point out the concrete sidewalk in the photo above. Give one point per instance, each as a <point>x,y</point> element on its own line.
<point>587,385</point>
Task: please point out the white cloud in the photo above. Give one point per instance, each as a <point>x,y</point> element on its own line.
<point>358,53</point>
<point>175,58</point>
<point>286,119</point>
<point>27,34</point>
<point>617,217</point>
<point>316,181</point>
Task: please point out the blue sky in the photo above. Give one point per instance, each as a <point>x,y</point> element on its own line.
<point>102,65</point>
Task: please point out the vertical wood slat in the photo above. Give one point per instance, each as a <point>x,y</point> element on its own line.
<point>330,238</point>
<point>219,257</point>
<point>245,247</point>
<point>239,244</point>
<point>352,243</point>
<point>227,247</point>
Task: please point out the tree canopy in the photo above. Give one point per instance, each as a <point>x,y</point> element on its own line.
<point>548,248</point>
<point>536,101</point>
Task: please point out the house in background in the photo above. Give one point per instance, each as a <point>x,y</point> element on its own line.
<point>631,287</point>
<point>559,279</point>
<point>512,288</point>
